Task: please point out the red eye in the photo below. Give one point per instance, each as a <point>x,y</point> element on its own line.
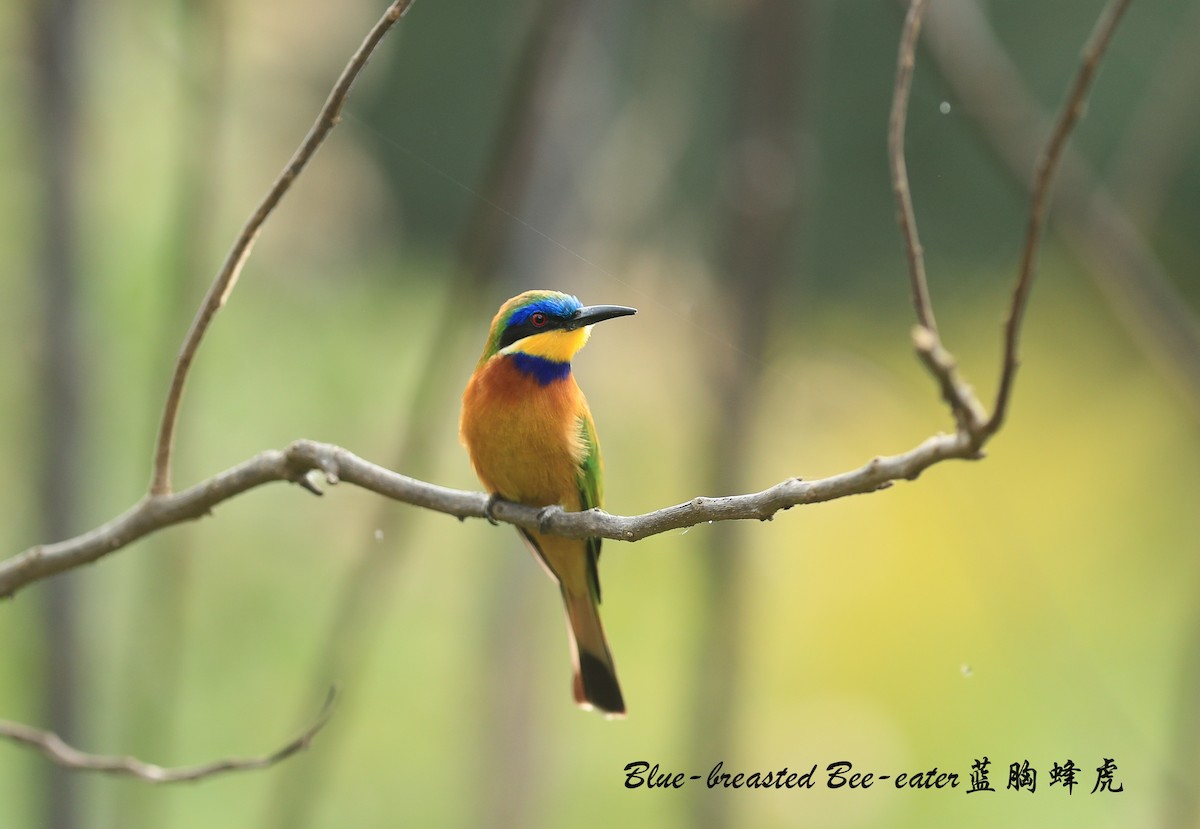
<point>538,319</point>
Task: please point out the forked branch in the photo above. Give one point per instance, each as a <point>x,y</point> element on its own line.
<point>969,413</point>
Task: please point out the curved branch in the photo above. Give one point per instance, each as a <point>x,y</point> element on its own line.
<point>968,412</point>
<point>227,277</point>
<point>1097,229</point>
<point>53,747</point>
<point>1039,199</point>
<point>905,215</point>
<point>335,464</point>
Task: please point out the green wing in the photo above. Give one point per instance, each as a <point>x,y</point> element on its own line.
<point>591,490</point>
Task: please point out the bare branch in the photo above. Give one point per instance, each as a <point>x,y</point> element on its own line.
<point>227,277</point>
<point>968,411</point>
<point>336,465</point>
<point>1039,199</point>
<point>1093,224</point>
<point>905,215</point>
<point>53,747</point>
<point>966,408</point>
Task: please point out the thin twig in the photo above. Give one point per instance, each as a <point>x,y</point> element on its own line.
<point>1039,200</point>
<point>964,405</point>
<point>227,277</point>
<point>54,748</point>
<point>1094,223</point>
<point>906,216</point>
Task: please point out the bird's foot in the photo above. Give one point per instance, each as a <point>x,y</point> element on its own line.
<point>489,507</point>
<point>544,516</point>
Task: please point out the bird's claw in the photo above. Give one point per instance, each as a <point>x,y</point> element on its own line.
<point>544,516</point>
<point>489,507</point>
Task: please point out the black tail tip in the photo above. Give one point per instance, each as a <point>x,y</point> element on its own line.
<point>599,686</point>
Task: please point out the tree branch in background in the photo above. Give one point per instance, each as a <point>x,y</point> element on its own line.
<point>51,745</point>
<point>968,412</point>
<point>989,89</point>
<point>1039,199</point>
<point>755,226</point>
<point>62,398</point>
<point>226,279</point>
<point>158,611</point>
<point>1162,132</point>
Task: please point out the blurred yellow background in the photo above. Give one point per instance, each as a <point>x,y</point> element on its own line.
<point>721,166</point>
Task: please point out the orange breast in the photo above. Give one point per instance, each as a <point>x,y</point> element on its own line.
<point>524,438</point>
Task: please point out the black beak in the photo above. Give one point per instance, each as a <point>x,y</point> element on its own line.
<point>597,313</point>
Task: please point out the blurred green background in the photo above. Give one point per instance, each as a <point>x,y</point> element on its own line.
<point>720,165</point>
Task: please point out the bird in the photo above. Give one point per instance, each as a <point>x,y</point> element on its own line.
<point>531,440</point>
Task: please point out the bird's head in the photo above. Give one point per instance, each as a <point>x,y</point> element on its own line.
<point>546,324</point>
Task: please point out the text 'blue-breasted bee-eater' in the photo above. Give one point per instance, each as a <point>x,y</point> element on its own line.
<point>531,439</point>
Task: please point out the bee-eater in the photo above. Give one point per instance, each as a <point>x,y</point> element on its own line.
<point>531,439</point>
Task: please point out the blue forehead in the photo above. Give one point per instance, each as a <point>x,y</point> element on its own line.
<point>554,306</point>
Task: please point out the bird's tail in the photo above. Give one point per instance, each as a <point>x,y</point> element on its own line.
<point>595,682</point>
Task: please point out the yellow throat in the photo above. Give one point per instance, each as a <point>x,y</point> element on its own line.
<point>559,346</point>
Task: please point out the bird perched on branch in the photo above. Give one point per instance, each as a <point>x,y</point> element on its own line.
<point>531,439</point>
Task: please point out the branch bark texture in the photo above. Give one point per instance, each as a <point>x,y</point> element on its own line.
<point>335,465</point>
